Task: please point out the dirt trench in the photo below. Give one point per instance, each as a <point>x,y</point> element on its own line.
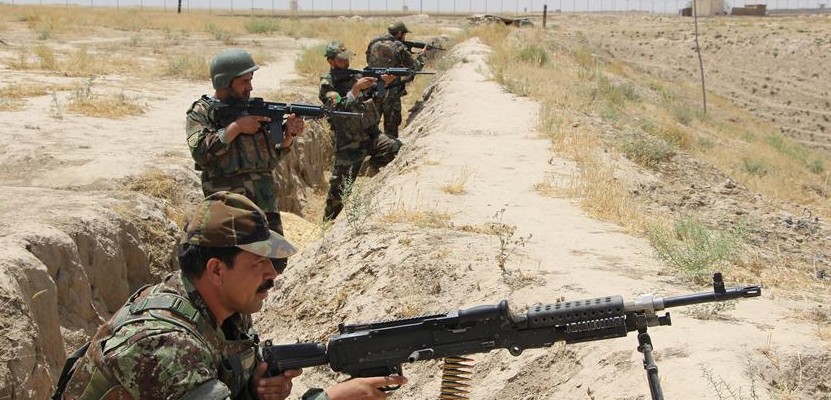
<point>69,259</point>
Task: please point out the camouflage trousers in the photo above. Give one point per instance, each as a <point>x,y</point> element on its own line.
<point>381,151</point>
<point>391,111</point>
<point>258,187</point>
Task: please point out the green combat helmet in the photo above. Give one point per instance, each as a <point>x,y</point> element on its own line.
<point>397,27</point>
<point>230,64</point>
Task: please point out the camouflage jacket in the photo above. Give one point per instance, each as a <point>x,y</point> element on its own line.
<point>349,132</point>
<point>214,156</point>
<point>163,344</point>
<point>387,51</point>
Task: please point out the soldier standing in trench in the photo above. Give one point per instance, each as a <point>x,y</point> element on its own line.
<point>354,138</point>
<point>389,51</point>
<point>238,156</point>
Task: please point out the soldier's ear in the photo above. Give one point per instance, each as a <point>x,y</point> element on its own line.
<point>214,270</point>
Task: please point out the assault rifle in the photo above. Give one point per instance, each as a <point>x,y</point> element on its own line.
<point>226,113</point>
<point>411,44</point>
<point>380,348</point>
<point>380,89</point>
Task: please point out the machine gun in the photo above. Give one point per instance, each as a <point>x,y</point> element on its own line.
<point>226,113</point>
<point>411,44</point>
<point>380,348</point>
<point>380,88</point>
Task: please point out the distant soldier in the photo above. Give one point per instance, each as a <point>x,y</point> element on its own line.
<point>355,138</point>
<point>191,336</point>
<point>238,156</point>
<point>389,51</point>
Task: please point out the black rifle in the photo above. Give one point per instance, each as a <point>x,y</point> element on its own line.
<point>380,348</point>
<point>411,44</point>
<point>380,88</point>
<point>226,113</point>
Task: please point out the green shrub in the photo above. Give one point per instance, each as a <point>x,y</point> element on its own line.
<point>262,25</point>
<point>755,167</point>
<point>693,249</point>
<point>647,152</point>
<point>533,55</point>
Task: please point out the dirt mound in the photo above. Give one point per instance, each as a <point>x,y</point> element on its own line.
<point>67,262</point>
<point>420,247</point>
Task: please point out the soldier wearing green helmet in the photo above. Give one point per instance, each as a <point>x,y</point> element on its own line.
<point>389,51</point>
<point>357,142</point>
<point>237,156</point>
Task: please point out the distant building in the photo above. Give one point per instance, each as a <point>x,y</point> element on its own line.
<point>750,9</point>
<point>705,8</point>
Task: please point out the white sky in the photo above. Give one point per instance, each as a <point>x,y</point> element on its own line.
<point>509,7</point>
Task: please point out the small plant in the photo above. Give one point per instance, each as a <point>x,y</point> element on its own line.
<point>508,244</point>
<point>55,107</point>
<point>755,167</point>
<point>616,95</point>
<point>693,249</point>
<point>47,57</point>
<point>533,54</point>
<point>710,311</point>
<point>358,205</point>
<point>135,40</point>
<point>262,25</point>
<point>724,391</point>
<point>188,66</point>
<point>816,166</point>
<point>220,34</point>
<point>648,153</point>
<point>457,185</point>
<point>85,102</point>
<point>685,115</point>
<point>419,218</point>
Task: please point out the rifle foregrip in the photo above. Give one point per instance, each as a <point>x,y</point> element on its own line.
<point>582,320</point>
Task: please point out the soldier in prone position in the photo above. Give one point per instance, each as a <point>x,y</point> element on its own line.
<point>355,138</point>
<point>191,336</point>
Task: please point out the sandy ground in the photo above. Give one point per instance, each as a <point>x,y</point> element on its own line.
<point>470,130</point>
<point>392,269</point>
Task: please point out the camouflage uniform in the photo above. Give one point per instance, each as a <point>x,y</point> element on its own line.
<point>355,138</point>
<point>244,166</point>
<point>387,51</point>
<point>164,342</point>
<point>163,345</point>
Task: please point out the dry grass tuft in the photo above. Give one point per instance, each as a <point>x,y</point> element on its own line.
<point>162,186</point>
<point>419,218</point>
<point>85,102</point>
<point>456,186</point>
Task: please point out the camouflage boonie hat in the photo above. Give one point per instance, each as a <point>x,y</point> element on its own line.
<point>397,27</point>
<point>226,219</point>
<point>338,50</point>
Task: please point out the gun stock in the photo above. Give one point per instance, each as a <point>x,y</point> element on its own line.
<point>381,348</point>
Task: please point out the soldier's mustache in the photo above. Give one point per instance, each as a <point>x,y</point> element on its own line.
<point>266,286</point>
